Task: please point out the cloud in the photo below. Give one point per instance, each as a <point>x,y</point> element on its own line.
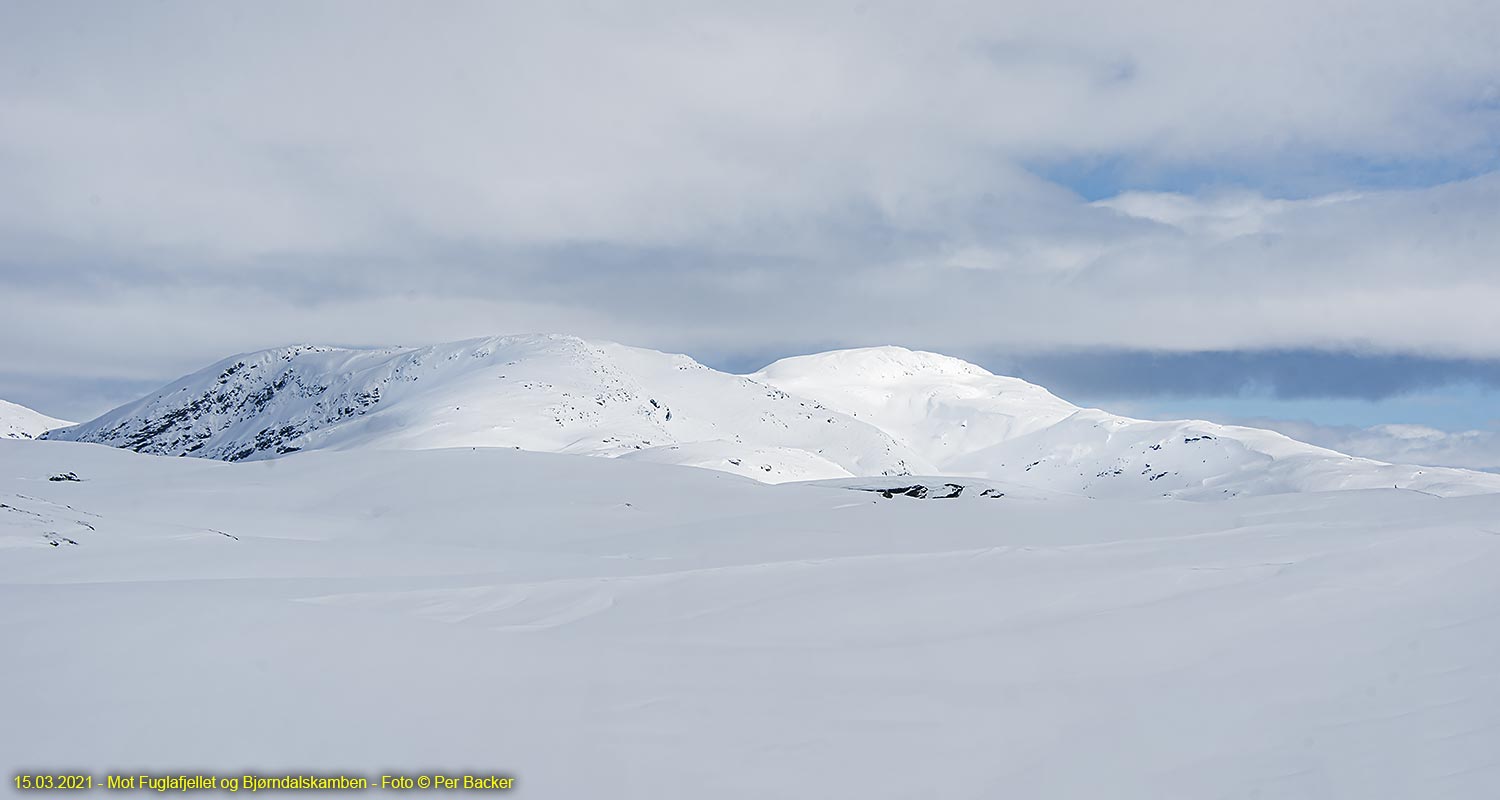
<point>1401,444</point>
<point>1220,217</point>
<point>185,179</point>
<point>1278,374</point>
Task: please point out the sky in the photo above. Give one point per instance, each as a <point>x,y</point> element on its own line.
<point>1280,212</point>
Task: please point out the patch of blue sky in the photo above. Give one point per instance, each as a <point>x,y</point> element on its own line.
<point>1292,177</point>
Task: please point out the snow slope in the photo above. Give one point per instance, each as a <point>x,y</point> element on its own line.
<point>614,628</point>
<point>869,412</point>
<point>944,407</point>
<point>20,422</point>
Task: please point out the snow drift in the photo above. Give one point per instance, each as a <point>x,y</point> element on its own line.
<point>615,628</point>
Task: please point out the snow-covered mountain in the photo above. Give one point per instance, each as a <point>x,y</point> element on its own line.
<point>544,392</point>
<point>20,422</point>
<point>882,411</point>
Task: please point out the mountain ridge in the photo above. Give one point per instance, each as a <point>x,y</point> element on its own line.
<point>867,412</point>
<point>551,392</point>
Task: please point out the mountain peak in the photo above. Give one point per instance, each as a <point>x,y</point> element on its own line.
<point>885,363</point>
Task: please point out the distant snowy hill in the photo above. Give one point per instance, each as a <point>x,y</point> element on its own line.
<point>20,422</point>
<point>967,421</point>
<point>884,411</point>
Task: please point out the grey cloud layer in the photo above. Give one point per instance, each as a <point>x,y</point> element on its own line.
<point>185,180</point>
<point>1281,374</point>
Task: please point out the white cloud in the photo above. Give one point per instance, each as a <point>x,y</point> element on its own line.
<point>1217,217</point>
<point>754,176</point>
